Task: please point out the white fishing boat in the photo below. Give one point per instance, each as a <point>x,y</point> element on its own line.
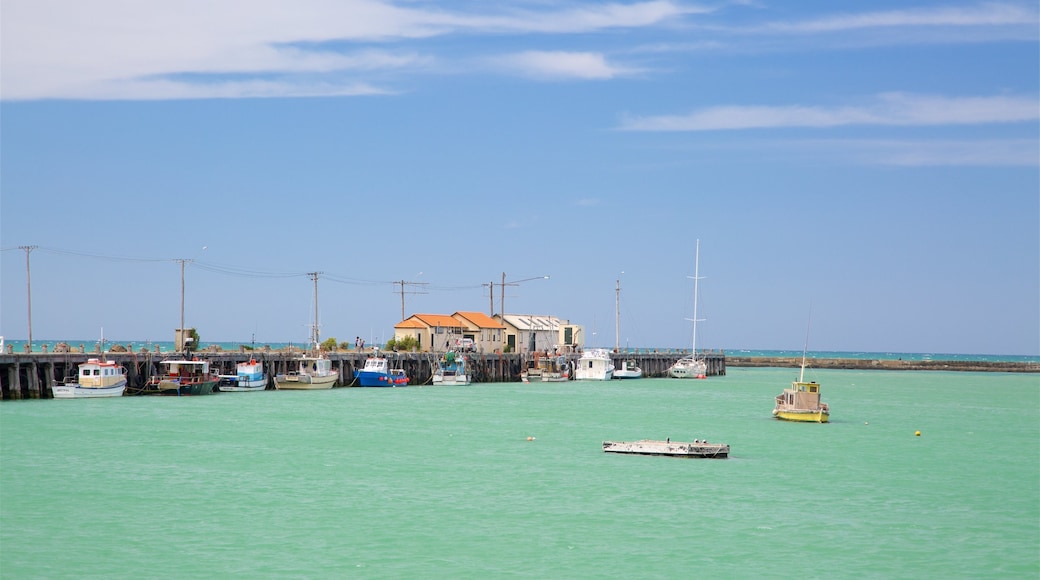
<point>96,378</point>
<point>629,368</point>
<point>594,364</point>
<point>313,369</point>
<point>691,367</point>
<point>250,376</point>
<point>451,370</point>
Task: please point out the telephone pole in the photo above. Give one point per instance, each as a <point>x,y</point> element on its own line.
<point>28,287</point>
<point>402,284</point>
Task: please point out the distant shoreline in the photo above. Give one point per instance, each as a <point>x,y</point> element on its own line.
<point>884,364</point>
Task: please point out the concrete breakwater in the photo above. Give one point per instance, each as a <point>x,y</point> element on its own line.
<point>32,376</point>
<point>885,364</point>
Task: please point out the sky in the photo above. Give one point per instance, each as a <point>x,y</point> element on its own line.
<point>864,174</point>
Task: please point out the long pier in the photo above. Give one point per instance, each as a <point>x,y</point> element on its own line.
<point>32,376</point>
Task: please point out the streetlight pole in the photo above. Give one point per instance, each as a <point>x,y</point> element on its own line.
<point>502,298</point>
<point>183,338</point>
<point>28,288</point>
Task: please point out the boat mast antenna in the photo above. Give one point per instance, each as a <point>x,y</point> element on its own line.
<point>805,349</point>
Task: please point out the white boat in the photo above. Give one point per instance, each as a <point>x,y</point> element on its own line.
<point>629,368</point>
<point>313,371</point>
<point>691,367</point>
<point>451,370</point>
<point>250,377</point>
<point>594,364</point>
<point>96,378</point>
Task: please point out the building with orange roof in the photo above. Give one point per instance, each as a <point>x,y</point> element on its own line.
<point>459,331</point>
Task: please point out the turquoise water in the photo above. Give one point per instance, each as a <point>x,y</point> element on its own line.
<point>443,482</point>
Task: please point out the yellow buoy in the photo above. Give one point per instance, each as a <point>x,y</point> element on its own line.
<point>917,433</point>
<point>530,438</point>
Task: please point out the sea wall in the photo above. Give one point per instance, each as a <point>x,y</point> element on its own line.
<point>885,364</point>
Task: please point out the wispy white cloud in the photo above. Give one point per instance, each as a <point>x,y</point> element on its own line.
<point>95,50</point>
<point>887,109</point>
<point>558,65</point>
<point>987,14</point>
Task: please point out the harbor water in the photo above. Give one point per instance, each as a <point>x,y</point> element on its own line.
<point>509,480</point>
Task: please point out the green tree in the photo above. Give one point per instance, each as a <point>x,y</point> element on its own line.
<point>329,344</point>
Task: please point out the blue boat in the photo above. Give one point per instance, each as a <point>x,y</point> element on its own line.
<point>377,373</point>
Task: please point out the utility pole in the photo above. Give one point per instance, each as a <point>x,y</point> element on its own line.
<point>491,294</point>
<point>402,284</point>
<point>502,298</point>
<point>28,287</point>
<point>314,329</point>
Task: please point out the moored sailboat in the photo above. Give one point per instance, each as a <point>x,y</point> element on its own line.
<point>691,367</point>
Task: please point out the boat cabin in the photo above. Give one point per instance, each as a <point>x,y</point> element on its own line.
<point>801,396</point>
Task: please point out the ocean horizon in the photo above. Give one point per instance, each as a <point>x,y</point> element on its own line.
<point>228,346</point>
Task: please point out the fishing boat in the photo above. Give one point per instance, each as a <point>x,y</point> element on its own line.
<point>96,378</point>
<point>691,367</point>
<point>182,377</point>
<point>669,448</point>
<point>802,401</point>
<point>594,364</point>
<point>451,370</point>
<point>250,376</point>
<point>377,373</point>
<point>313,372</point>
<point>313,369</point>
<point>629,368</point>
<point>547,369</point>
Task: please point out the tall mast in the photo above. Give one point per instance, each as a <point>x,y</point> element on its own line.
<point>696,279</point>
<point>617,316</point>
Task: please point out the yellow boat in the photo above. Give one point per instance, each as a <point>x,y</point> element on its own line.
<point>802,401</point>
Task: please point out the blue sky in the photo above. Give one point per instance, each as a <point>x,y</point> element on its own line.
<point>875,160</point>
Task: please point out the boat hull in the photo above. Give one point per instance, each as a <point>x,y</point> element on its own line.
<point>628,374</point>
<point>374,379</point>
<point>236,385</point>
<point>695,450</point>
<point>451,380</point>
<point>802,416</point>
<point>69,391</point>
<point>294,382</point>
<point>175,389</point>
